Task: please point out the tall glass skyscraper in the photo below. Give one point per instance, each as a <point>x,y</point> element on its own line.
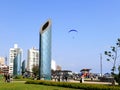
<point>17,64</point>
<point>45,51</point>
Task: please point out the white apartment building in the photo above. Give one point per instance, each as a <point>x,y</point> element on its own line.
<point>33,58</point>
<point>4,68</point>
<point>53,65</point>
<point>12,54</point>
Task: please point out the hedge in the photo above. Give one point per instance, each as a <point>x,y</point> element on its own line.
<point>74,85</point>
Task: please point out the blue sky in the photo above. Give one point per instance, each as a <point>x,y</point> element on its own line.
<point>97,23</point>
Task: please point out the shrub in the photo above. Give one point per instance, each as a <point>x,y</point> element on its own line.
<point>18,77</point>
<point>74,85</point>
<point>117,78</point>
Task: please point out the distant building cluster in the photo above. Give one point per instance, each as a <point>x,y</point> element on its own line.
<point>16,64</point>
<point>40,58</point>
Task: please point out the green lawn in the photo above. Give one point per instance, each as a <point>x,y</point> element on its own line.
<point>19,85</point>
<point>22,86</point>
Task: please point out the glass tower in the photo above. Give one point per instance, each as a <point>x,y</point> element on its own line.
<point>45,51</point>
<point>17,65</point>
<point>23,67</point>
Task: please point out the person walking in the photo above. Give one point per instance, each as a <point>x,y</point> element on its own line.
<point>8,77</point>
<point>5,76</point>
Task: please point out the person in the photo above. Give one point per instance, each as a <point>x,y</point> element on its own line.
<point>66,78</point>
<point>91,78</point>
<point>8,77</point>
<point>113,82</point>
<point>55,77</point>
<point>5,76</point>
<point>82,79</point>
<point>59,78</point>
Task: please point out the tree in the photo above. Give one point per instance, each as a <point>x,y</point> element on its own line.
<point>119,75</point>
<point>119,68</point>
<point>35,70</point>
<point>113,55</point>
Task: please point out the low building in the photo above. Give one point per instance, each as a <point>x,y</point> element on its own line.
<point>4,69</point>
<point>58,67</point>
<point>85,72</point>
<point>2,60</point>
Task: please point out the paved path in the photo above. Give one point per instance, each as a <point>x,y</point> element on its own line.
<point>92,82</point>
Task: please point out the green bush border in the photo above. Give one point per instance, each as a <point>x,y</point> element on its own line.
<point>74,85</point>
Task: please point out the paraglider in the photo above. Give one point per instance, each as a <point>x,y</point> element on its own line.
<point>73,30</point>
<point>73,33</point>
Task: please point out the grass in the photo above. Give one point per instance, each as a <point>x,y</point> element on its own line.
<point>17,85</point>
<point>50,85</point>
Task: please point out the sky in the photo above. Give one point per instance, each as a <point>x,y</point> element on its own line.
<point>97,23</point>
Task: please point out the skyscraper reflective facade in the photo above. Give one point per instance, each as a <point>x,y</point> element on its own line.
<point>17,64</point>
<point>45,51</point>
<point>23,67</point>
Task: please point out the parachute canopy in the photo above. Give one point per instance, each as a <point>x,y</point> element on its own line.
<point>73,33</point>
<point>73,30</point>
